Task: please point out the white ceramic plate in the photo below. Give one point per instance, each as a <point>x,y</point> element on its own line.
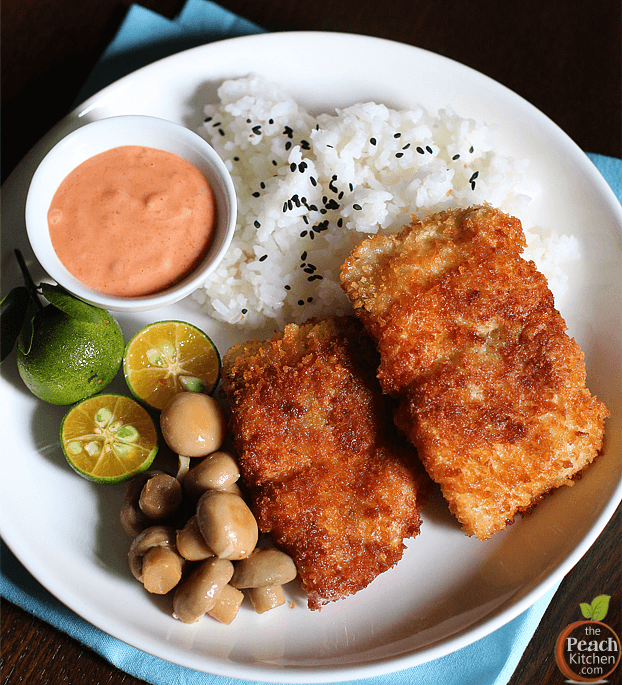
<point>448,590</point>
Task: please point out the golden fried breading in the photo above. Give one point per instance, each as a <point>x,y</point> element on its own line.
<point>492,389</point>
<point>329,477</point>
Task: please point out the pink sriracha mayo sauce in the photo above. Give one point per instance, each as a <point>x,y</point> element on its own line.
<point>132,221</point>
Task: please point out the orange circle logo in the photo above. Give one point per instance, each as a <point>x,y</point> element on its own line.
<point>587,651</point>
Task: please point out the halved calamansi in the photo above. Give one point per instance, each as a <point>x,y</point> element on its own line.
<point>169,357</point>
<point>109,438</point>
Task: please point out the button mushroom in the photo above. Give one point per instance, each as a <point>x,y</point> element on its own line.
<point>191,544</point>
<point>199,592</point>
<point>266,598</point>
<point>265,566</point>
<point>263,573</point>
<point>133,519</point>
<point>218,471</point>
<point>227,605</point>
<point>227,524</point>
<point>160,497</point>
<point>154,560</point>
<point>193,424</point>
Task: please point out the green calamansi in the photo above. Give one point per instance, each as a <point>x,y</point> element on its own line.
<point>67,350</point>
<point>69,359</point>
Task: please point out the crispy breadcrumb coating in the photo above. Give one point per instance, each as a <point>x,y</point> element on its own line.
<point>329,476</point>
<point>491,388</point>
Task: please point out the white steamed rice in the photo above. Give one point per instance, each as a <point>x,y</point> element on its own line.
<point>312,187</point>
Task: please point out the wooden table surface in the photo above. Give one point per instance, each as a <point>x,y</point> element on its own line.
<point>563,59</point>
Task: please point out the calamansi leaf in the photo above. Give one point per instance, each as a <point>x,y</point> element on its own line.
<point>71,305</point>
<point>13,311</point>
<point>600,607</point>
<point>27,332</point>
<point>586,609</point>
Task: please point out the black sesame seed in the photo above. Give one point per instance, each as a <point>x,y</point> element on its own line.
<point>285,206</point>
<point>313,181</point>
<point>263,258</point>
<point>312,208</point>
<point>397,135</point>
<point>296,200</point>
<point>257,130</point>
<point>406,146</point>
<point>303,234</point>
<point>256,193</point>
<point>311,235</point>
<point>290,205</point>
<point>351,187</point>
<point>302,166</point>
<point>301,302</point>
<point>248,121</point>
<point>309,299</point>
<point>356,207</point>
<point>293,166</point>
<point>207,119</point>
<point>271,121</point>
<point>305,218</point>
<point>340,222</point>
<point>308,270</point>
<point>262,185</point>
<point>315,277</point>
<point>474,176</point>
<point>323,210</point>
<point>303,256</point>
<point>329,146</point>
<point>244,311</point>
<point>222,133</point>
<point>456,157</point>
<point>274,162</point>
<point>236,159</point>
<point>399,154</point>
<point>340,195</point>
<point>305,145</point>
<point>429,149</point>
<point>256,224</point>
<point>288,144</point>
<point>217,124</point>
<point>288,287</point>
<point>372,141</point>
<point>471,149</point>
<point>420,150</point>
<point>289,132</point>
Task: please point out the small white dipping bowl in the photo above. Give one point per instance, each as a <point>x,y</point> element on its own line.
<point>105,134</point>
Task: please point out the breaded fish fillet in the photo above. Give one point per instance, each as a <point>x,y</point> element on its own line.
<point>330,478</point>
<point>491,388</point>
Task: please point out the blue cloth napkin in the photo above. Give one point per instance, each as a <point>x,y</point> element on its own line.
<point>143,38</point>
